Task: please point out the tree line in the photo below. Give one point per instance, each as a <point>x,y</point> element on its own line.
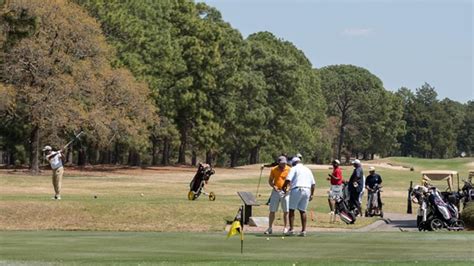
<point>161,82</point>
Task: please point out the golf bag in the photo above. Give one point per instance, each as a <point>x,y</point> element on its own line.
<point>434,213</point>
<point>342,208</point>
<point>200,179</point>
<point>374,203</point>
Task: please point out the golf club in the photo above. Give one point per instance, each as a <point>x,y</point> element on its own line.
<point>75,137</point>
<point>259,179</point>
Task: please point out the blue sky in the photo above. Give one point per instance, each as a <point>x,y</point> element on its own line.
<point>405,43</point>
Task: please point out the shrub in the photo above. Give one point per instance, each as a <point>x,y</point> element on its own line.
<point>468,215</point>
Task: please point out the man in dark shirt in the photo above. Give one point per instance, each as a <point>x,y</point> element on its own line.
<point>356,185</point>
<point>372,180</point>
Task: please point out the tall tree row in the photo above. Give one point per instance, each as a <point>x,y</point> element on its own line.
<point>56,63</point>
<point>160,82</point>
<point>435,129</point>
<point>367,117</point>
<point>224,95</point>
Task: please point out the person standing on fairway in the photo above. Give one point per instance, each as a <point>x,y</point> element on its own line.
<point>55,160</point>
<point>336,185</point>
<point>302,189</point>
<point>356,185</point>
<point>276,180</point>
<point>372,180</point>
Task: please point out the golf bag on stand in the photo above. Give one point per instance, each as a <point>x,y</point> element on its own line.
<point>200,179</point>
<point>342,206</point>
<point>374,203</point>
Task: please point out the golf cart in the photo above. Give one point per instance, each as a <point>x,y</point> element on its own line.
<point>444,181</point>
<point>438,201</point>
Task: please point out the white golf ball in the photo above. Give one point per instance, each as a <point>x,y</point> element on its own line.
<point>142,195</point>
<point>268,238</point>
<point>282,237</point>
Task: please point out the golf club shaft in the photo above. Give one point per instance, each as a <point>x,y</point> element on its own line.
<point>75,137</point>
<point>259,179</point>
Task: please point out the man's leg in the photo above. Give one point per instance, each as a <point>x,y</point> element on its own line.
<point>354,199</point>
<point>285,202</point>
<point>291,217</point>
<point>59,174</point>
<point>274,201</point>
<point>271,218</point>
<point>54,181</point>
<point>285,219</point>
<point>303,221</point>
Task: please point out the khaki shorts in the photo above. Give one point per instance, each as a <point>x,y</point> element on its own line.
<point>299,198</point>
<point>335,191</point>
<point>275,200</point>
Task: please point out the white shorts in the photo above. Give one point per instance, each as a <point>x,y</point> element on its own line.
<point>335,191</point>
<point>299,198</point>
<point>275,200</point>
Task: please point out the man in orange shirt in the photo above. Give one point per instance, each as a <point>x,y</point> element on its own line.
<point>276,180</point>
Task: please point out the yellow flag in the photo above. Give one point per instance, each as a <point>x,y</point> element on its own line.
<point>236,228</point>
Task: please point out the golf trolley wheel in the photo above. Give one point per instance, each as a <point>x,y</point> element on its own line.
<point>459,224</point>
<point>366,213</point>
<point>191,195</point>
<point>436,224</point>
<point>381,214</point>
<point>212,196</point>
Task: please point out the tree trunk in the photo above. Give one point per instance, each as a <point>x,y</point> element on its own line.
<point>154,156</point>
<point>34,151</point>
<point>209,159</point>
<point>69,156</point>
<point>165,160</point>
<point>233,158</point>
<point>182,147</point>
<point>341,141</point>
<point>133,158</point>
<point>348,158</point>
<point>254,155</point>
<point>193,158</point>
<point>81,157</point>
<point>11,158</point>
<point>116,156</point>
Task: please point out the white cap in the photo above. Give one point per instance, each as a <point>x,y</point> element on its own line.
<point>356,161</point>
<point>47,148</point>
<point>295,159</point>
<point>371,169</point>
<point>336,161</point>
<point>299,155</point>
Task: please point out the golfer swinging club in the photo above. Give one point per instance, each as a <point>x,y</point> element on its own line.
<point>55,160</point>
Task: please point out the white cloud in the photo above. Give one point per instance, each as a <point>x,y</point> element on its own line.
<point>357,32</point>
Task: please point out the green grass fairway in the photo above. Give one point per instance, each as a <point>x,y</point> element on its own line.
<point>79,247</point>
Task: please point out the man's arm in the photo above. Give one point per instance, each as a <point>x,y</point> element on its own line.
<point>312,192</point>
<point>286,185</point>
<point>52,154</point>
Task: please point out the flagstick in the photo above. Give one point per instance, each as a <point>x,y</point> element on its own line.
<point>242,218</point>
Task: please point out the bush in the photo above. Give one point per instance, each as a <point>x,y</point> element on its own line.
<point>468,215</point>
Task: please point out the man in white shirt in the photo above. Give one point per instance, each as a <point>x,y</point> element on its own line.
<point>55,160</point>
<point>302,185</point>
